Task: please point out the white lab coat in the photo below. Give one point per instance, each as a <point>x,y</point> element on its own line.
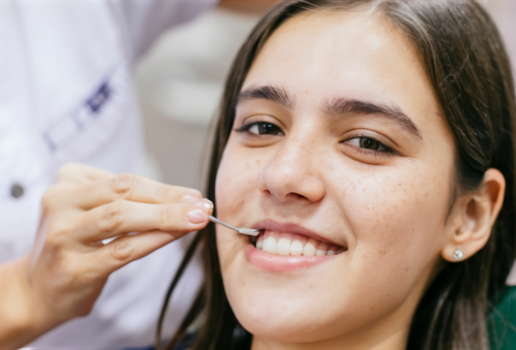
<point>66,95</point>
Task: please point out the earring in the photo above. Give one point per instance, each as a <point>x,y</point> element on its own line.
<point>457,255</point>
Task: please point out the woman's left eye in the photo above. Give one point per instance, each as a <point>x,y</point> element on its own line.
<point>370,144</point>
<point>261,128</point>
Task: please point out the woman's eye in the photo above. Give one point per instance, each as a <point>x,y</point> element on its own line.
<point>369,144</point>
<point>263,128</point>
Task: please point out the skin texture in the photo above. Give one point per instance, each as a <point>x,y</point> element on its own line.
<point>392,210</point>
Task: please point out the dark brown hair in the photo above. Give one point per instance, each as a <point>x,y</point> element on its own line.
<point>466,64</point>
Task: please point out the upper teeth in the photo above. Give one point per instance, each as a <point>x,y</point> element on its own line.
<point>286,246</point>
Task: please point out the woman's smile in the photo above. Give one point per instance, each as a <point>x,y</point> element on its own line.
<point>288,247</point>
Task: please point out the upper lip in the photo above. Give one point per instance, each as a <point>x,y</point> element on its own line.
<point>291,228</point>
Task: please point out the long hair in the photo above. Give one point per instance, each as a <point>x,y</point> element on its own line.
<point>466,64</point>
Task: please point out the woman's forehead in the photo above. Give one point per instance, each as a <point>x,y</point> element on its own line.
<point>356,55</point>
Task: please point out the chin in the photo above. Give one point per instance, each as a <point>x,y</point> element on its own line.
<point>285,306</point>
<point>274,321</point>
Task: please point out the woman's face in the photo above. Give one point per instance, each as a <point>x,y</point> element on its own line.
<point>340,155</point>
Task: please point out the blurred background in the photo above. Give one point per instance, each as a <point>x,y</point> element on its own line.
<point>179,90</point>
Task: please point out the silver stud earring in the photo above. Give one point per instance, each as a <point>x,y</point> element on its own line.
<point>457,255</point>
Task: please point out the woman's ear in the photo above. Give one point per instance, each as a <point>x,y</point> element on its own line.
<point>473,217</point>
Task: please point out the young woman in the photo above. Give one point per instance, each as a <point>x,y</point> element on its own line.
<point>371,143</point>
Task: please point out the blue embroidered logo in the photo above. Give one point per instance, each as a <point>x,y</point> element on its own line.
<point>66,129</point>
<point>100,97</point>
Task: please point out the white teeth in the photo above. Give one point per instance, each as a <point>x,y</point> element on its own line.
<point>309,248</point>
<point>270,245</point>
<point>296,248</point>
<point>283,247</point>
<point>259,243</point>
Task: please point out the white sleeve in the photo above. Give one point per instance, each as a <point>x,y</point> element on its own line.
<point>142,21</point>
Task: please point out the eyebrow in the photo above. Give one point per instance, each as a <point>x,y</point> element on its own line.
<point>349,106</point>
<point>267,92</point>
<point>337,106</point>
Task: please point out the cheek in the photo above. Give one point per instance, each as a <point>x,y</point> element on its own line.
<point>235,192</point>
<point>236,183</point>
<point>398,218</point>
<point>232,185</point>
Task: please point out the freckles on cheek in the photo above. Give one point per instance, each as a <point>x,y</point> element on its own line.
<point>400,215</point>
<point>383,208</point>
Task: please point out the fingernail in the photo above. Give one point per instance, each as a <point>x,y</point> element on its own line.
<point>205,203</point>
<point>196,216</point>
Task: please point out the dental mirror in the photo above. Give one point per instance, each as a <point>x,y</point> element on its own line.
<point>244,231</point>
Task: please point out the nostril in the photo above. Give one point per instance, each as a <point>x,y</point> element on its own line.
<point>299,196</point>
<point>295,196</point>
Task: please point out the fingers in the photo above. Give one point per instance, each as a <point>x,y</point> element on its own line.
<point>133,188</point>
<point>125,249</point>
<point>122,216</point>
<point>76,173</point>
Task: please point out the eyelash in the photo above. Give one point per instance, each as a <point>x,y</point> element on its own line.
<point>247,127</point>
<point>386,152</point>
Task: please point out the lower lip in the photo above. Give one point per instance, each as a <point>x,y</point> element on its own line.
<point>279,263</point>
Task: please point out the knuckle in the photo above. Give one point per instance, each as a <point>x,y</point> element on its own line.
<point>168,193</point>
<point>124,183</point>
<point>68,170</point>
<point>53,243</point>
<point>121,249</point>
<point>69,274</point>
<point>112,217</point>
<point>59,228</point>
<point>51,197</point>
<point>167,217</point>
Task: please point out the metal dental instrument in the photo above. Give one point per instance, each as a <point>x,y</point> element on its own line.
<point>244,231</point>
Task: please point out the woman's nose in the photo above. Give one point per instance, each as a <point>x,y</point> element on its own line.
<point>293,173</point>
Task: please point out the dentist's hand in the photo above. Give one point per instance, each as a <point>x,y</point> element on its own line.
<point>84,208</point>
